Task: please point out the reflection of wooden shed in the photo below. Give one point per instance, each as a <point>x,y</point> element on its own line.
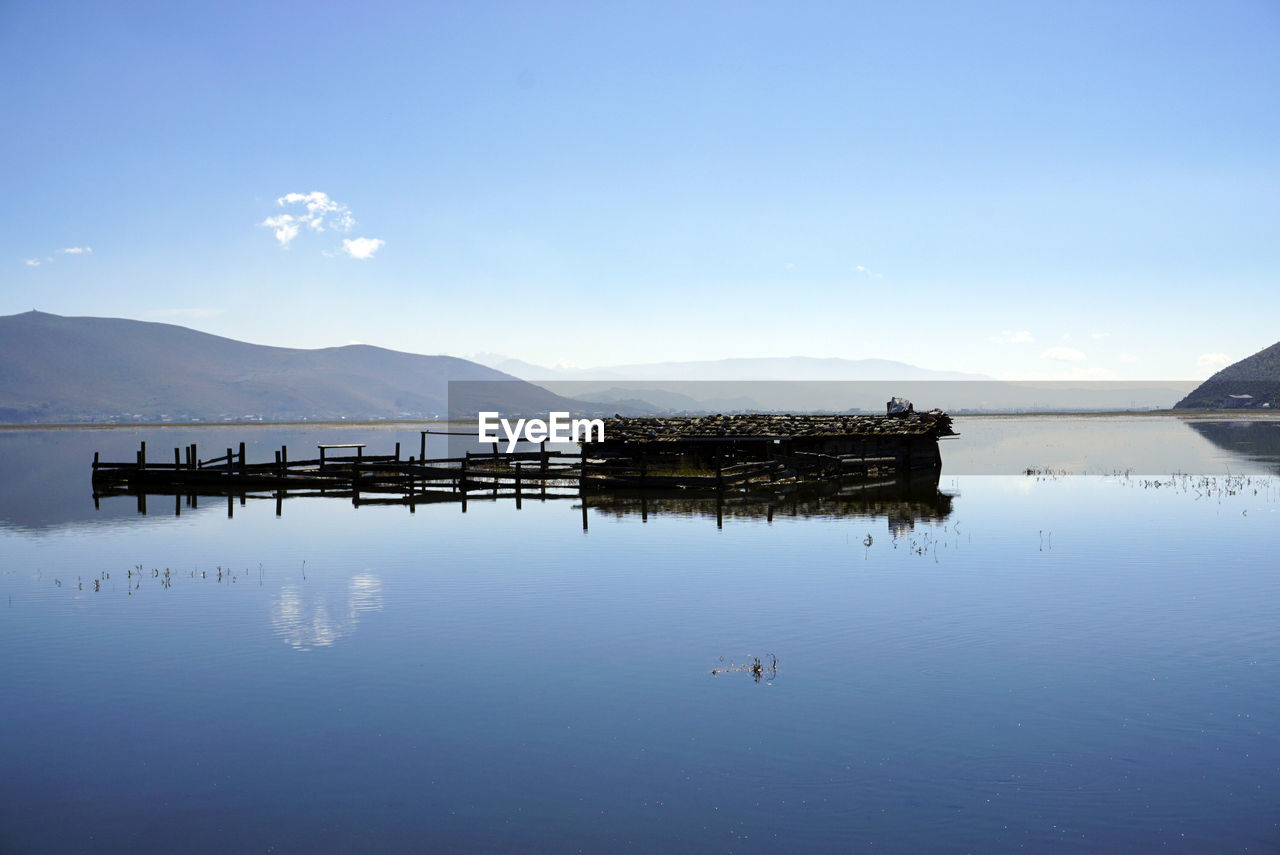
<point>900,442</point>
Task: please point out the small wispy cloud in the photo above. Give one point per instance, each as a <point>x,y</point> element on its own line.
<point>1063,354</point>
<point>868,272</point>
<point>1212,362</point>
<point>362,248</point>
<point>1129,357</point>
<point>321,214</point>
<point>1013,337</point>
<point>1099,336</point>
<point>48,259</point>
<point>317,212</point>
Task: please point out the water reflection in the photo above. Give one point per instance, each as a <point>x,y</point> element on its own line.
<point>902,503</point>
<point>305,618</point>
<point>1256,440</point>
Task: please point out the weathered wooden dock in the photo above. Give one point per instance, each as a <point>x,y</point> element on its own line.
<point>715,456</point>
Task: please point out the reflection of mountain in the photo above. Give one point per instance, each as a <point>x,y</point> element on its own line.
<point>1256,440</point>
<point>902,503</point>
<point>305,618</point>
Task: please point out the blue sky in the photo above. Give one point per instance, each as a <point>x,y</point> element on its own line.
<point>1022,189</point>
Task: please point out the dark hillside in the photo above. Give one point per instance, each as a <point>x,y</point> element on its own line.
<point>1251,383</point>
<point>55,369</point>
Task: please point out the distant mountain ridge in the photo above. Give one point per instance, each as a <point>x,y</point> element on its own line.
<point>802,368</point>
<point>75,369</point>
<point>1253,382</point>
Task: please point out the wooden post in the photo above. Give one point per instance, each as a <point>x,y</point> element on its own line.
<point>397,452</point>
<point>279,502</point>
<point>231,504</point>
<point>142,456</point>
<point>279,470</point>
<point>322,458</point>
<point>284,457</point>
<point>462,482</point>
<point>242,458</point>
<point>195,458</point>
<point>95,460</point>
<point>422,448</point>
<point>177,502</point>
<point>359,454</point>
<point>230,459</point>
<point>142,503</point>
<point>177,459</point>
<point>518,464</point>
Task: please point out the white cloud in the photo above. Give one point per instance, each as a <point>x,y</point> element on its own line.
<point>1013,337</point>
<point>321,210</point>
<point>77,250</point>
<point>286,228</point>
<point>1063,354</point>
<point>318,213</point>
<point>32,262</point>
<point>1099,336</point>
<point>1129,357</point>
<point>362,248</point>
<point>868,272</point>
<point>1212,362</point>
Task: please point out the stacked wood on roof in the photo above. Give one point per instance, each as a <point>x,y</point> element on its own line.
<point>618,429</point>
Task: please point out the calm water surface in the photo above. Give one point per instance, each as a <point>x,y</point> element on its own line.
<point>1084,660</point>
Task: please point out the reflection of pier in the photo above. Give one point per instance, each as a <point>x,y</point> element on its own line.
<point>820,486</point>
<point>902,501</point>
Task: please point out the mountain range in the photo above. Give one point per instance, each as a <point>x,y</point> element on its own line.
<point>75,369</point>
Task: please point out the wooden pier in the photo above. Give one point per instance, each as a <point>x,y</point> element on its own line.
<point>721,456</point>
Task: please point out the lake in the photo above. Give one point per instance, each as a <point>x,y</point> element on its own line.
<point>1070,644</point>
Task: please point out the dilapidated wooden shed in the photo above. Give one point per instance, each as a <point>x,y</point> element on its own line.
<point>903,442</point>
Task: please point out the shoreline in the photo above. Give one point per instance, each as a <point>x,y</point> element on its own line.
<point>1187,415</point>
